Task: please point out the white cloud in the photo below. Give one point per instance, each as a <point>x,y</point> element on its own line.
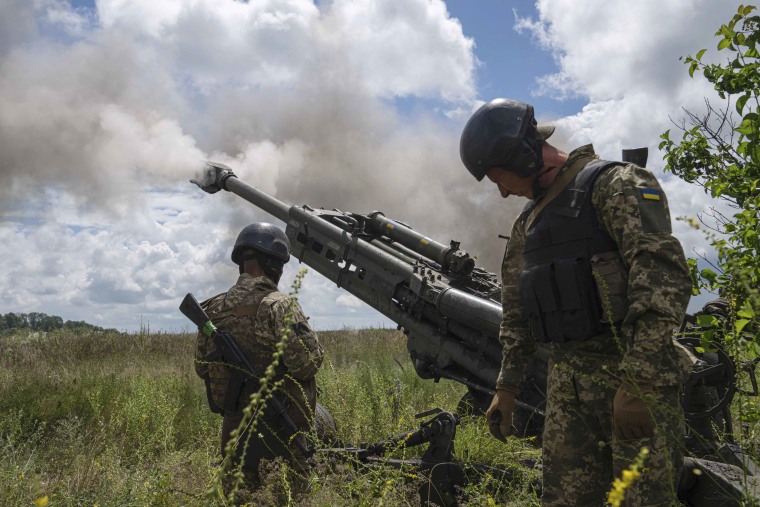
<point>70,21</point>
<point>104,118</point>
<point>105,115</point>
<point>624,57</point>
<point>348,301</point>
<point>403,48</point>
<point>607,49</point>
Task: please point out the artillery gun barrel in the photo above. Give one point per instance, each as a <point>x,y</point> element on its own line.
<point>397,250</point>
<point>384,279</point>
<point>450,257</point>
<point>266,202</point>
<point>480,314</point>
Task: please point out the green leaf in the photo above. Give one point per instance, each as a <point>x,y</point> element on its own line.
<point>740,102</point>
<point>707,321</point>
<point>701,52</point>
<point>739,324</point>
<point>745,129</point>
<point>746,312</point>
<point>724,44</point>
<point>708,274</point>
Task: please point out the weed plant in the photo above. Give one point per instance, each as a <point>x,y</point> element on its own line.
<point>114,419</point>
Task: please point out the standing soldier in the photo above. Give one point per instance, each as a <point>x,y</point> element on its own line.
<point>592,269</point>
<point>258,316</point>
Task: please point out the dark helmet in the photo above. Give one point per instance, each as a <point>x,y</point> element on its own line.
<point>262,237</point>
<point>503,133</point>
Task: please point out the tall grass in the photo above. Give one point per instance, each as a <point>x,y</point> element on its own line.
<point>121,420</point>
<point>101,419</point>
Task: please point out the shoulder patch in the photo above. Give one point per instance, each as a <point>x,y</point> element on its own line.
<point>650,194</point>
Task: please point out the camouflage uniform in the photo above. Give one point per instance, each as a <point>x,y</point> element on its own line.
<point>255,313</point>
<point>581,456</point>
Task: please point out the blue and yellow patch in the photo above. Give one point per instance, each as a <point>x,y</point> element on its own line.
<point>652,195</point>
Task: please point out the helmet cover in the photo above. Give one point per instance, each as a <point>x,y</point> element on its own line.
<point>503,133</point>
<point>262,237</point>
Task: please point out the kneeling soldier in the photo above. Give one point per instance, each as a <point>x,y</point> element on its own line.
<point>257,315</point>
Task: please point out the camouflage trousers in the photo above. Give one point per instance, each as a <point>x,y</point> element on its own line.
<point>269,440</point>
<point>581,457</point>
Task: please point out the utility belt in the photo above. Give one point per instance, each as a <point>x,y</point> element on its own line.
<point>573,299</point>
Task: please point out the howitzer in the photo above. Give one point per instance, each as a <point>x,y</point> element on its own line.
<point>450,311</point>
<point>449,308</point>
<point>241,371</point>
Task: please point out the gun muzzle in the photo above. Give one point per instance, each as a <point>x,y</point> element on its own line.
<point>214,176</point>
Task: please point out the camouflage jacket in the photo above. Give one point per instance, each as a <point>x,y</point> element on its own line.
<point>257,315</point>
<point>658,287</point>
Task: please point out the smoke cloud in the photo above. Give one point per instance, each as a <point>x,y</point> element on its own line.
<point>105,115</point>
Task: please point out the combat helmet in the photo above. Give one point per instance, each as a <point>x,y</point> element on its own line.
<point>503,133</point>
<point>270,244</point>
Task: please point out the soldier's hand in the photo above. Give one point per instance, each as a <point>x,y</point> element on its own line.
<point>631,412</point>
<point>499,414</point>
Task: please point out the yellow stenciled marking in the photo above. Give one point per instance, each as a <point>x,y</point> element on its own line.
<point>425,241</point>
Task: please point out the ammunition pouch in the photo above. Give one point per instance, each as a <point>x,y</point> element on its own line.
<point>235,384</point>
<point>236,377</point>
<point>560,301</point>
<point>232,392</point>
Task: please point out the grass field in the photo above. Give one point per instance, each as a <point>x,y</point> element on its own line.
<point>121,420</point>
<point>114,419</point>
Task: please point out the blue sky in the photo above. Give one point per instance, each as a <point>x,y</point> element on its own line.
<point>511,61</point>
<point>107,109</point>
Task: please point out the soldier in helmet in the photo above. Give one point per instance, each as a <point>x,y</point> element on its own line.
<point>255,313</point>
<point>592,270</point>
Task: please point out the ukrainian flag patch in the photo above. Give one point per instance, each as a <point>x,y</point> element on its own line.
<point>650,194</point>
